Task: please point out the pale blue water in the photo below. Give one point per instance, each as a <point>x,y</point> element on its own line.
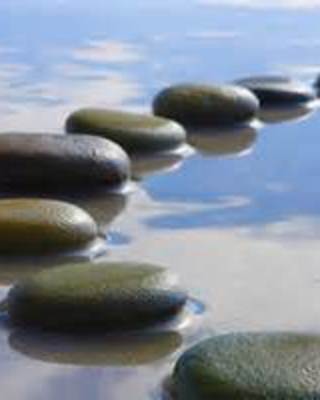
<point>238,219</point>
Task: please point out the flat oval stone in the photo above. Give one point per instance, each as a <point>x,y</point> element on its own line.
<point>206,104</point>
<point>255,366</point>
<point>103,204</point>
<point>134,132</point>
<point>44,160</point>
<point>278,89</point>
<point>34,226</point>
<point>93,296</point>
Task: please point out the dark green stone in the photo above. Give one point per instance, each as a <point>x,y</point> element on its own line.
<point>46,160</point>
<point>93,296</point>
<point>278,89</point>
<point>134,132</point>
<point>259,366</point>
<point>192,104</point>
<point>35,226</point>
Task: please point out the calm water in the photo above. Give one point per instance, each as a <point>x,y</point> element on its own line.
<point>238,220</point>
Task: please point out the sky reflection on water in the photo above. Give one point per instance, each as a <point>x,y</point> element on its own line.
<point>238,220</point>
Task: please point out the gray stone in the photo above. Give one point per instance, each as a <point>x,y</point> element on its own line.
<point>31,160</point>
<point>278,89</point>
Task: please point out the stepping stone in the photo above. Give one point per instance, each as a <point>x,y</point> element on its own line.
<point>35,226</point>
<point>274,366</point>
<point>278,89</point>
<point>93,296</point>
<point>32,160</point>
<point>136,133</point>
<point>192,104</point>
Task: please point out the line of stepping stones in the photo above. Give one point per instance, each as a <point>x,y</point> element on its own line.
<point>96,152</point>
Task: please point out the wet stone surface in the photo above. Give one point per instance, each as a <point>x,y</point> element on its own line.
<point>192,104</point>
<point>278,89</point>
<point>39,226</point>
<point>250,366</point>
<point>134,132</point>
<point>43,160</point>
<point>90,297</point>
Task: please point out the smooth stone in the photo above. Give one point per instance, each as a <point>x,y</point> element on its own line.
<point>36,226</point>
<point>125,349</point>
<point>278,89</point>
<point>134,132</point>
<point>31,160</point>
<point>102,204</point>
<point>93,296</point>
<point>224,141</point>
<point>192,104</point>
<point>259,366</point>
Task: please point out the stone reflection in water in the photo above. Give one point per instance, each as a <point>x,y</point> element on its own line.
<point>223,141</point>
<point>280,114</point>
<point>102,206</point>
<point>108,350</point>
<point>144,165</point>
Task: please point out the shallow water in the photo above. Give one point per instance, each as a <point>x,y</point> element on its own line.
<point>238,219</point>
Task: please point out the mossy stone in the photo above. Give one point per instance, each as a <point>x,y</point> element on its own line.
<point>134,132</point>
<point>278,89</point>
<point>34,226</point>
<point>33,160</point>
<point>192,104</point>
<point>92,296</point>
<point>257,366</point>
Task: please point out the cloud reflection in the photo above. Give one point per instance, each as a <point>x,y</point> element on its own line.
<point>109,51</point>
<point>43,104</point>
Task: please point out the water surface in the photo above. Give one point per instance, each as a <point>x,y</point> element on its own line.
<point>238,220</point>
